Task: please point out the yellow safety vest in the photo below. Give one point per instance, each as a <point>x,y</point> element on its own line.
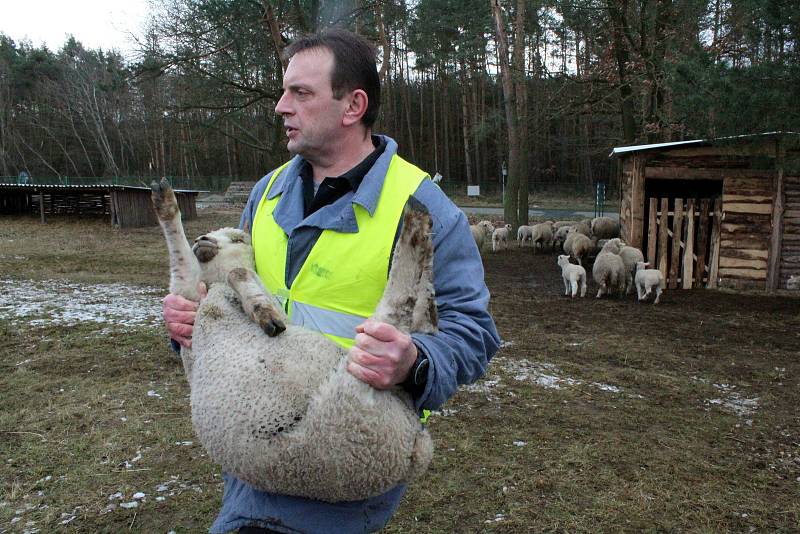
<point>344,276</point>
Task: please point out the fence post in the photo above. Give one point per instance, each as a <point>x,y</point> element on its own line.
<point>599,198</point>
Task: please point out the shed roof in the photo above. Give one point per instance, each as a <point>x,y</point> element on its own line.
<point>702,142</point>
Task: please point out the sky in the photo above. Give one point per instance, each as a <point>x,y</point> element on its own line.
<point>103,24</point>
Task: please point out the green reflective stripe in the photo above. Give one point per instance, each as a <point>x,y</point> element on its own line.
<point>425,415</point>
<point>326,321</point>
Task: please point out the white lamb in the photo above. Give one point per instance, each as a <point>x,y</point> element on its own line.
<point>647,280</point>
<point>524,234</point>
<point>500,235</point>
<point>572,275</point>
<point>482,233</point>
<point>279,410</point>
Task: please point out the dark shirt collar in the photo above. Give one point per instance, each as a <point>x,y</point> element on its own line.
<point>333,188</point>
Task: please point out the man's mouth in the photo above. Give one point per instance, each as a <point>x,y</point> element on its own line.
<point>290,130</point>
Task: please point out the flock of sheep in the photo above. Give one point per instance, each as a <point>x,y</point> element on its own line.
<point>616,267</point>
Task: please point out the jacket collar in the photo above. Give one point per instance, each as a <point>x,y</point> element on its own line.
<point>339,216</point>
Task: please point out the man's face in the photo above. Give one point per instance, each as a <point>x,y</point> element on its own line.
<point>311,116</point>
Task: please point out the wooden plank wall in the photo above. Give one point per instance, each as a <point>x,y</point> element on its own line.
<point>790,249</point>
<point>745,231</point>
<point>132,208</point>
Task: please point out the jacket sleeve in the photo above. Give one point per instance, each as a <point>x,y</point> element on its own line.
<point>467,338</point>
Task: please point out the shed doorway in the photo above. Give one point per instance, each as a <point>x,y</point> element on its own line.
<point>682,230</point>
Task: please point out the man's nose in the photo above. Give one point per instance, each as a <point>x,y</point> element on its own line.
<point>282,107</point>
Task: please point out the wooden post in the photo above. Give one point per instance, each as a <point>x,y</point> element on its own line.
<point>677,230</point>
<point>663,237</point>
<point>636,230</point>
<point>652,233</point>
<point>776,239</point>
<point>41,205</point>
<point>688,251</point>
<point>702,243</point>
<point>713,270</point>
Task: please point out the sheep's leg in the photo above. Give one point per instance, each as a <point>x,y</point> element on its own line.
<point>583,286</point>
<point>566,285</point>
<point>184,269</point>
<point>257,303</point>
<point>574,285</point>
<point>658,294</point>
<point>639,291</point>
<point>408,301</point>
<point>601,290</point>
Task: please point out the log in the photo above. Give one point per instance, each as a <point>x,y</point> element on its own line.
<point>688,251</point>
<point>757,199</point>
<point>761,228</point>
<point>663,237</point>
<point>677,232</point>
<point>727,261</point>
<point>752,274</point>
<point>748,208</point>
<point>713,270</point>
<point>760,244</point>
<point>652,232</point>
<point>702,242</point>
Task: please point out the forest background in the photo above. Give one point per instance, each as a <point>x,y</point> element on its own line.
<point>543,89</point>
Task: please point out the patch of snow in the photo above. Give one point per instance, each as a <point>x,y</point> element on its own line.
<point>62,302</point>
<point>497,518</point>
<point>129,505</point>
<point>520,443</point>
<point>184,443</point>
<point>117,495</point>
<point>152,393</point>
<point>138,495</point>
<point>504,344</point>
<point>737,404</point>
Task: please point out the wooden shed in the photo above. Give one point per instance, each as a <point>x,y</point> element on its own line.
<point>125,206</point>
<point>721,212</point>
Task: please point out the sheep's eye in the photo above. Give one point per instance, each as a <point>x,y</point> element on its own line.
<point>237,238</point>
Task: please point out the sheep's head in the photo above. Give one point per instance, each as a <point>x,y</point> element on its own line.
<point>487,226</point>
<point>642,265</point>
<point>222,250</point>
<point>563,260</point>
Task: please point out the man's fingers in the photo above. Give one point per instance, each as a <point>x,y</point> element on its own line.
<point>202,290</point>
<point>177,316</point>
<point>380,331</point>
<point>176,302</point>
<point>183,341</point>
<point>365,359</point>
<point>367,375</point>
<point>177,330</point>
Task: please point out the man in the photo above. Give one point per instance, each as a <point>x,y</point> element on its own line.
<point>343,191</point>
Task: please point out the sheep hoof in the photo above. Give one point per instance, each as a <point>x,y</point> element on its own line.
<point>164,199</point>
<point>267,320</point>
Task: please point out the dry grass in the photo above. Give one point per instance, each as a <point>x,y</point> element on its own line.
<point>89,411</point>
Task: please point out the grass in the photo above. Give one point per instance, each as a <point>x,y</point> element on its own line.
<point>92,410</point>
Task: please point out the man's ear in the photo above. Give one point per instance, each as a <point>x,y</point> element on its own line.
<point>357,102</point>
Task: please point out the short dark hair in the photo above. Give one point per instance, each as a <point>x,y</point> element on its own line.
<point>353,65</point>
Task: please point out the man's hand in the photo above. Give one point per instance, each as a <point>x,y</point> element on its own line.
<point>382,356</point>
<point>179,315</point>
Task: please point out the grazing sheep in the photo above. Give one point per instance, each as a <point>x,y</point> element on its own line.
<point>646,280</point>
<point>542,233</point>
<point>572,275</point>
<point>280,411</point>
<point>630,257</point>
<point>482,233</point>
<point>609,273</point>
<point>500,235</point>
<point>578,246</point>
<point>605,228</point>
<point>525,233</point>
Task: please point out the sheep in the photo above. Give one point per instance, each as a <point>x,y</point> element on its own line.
<point>604,228</point>
<point>608,272</point>
<point>482,233</point>
<point>561,224</point>
<point>560,235</point>
<point>577,245</point>
<point>524,233</point>
<point>630,257</point>
<point>647,279</point>
<point>542,233</point>
<point>272,402</point>
<point>500,235</point>
<point>572,275</point>
<point>583,228</point>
